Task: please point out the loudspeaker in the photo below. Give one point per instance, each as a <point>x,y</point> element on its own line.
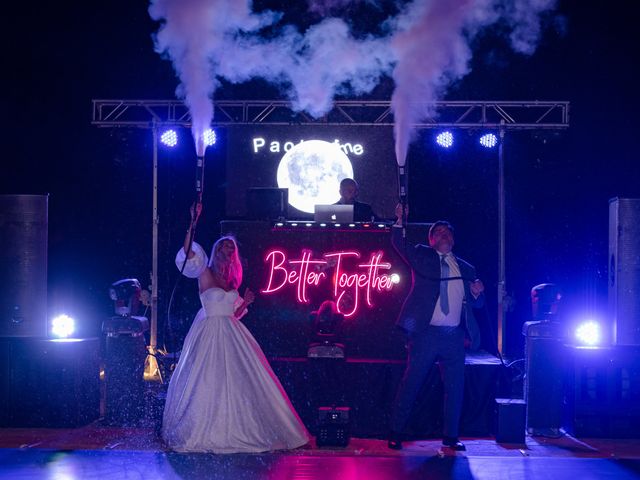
<point>624,270</point>
<point>23,265</point>
<point>603,392</point>
<point>124,379</point>
<point>333,426</point>
<point>48,382</point>
<point>544,374</point>
<point>511,415</point>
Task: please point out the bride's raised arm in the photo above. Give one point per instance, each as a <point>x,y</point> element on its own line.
<point>191,251</point>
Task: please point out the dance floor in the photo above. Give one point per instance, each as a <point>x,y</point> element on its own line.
<point>100,452</point>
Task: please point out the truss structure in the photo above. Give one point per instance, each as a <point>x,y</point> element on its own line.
<point>509,115</point>
<point>499,115</point>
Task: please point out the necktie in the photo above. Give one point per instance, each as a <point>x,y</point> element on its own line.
<point>444,293</point>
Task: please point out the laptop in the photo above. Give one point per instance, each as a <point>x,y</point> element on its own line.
<point>333,213</point>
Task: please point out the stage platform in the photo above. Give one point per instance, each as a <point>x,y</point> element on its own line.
<point>368,387</point>
<point>97,452</point>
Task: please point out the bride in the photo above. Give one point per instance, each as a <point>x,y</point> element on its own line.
<point>223,396</point>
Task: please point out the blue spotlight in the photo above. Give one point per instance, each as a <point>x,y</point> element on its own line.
<point>445,139</point>
<point>488,140</point>
<point>588,333</point>
<point>63,326</point>
<point>169,138</point>
<point>209,137</point>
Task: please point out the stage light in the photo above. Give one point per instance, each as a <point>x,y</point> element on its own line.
<point>545,301</point>
<point>445,139</point>
<point>209,137</point>
<point>169,138</point>
<point>126,295</point>
<point>488,140</point>
<point>395,278</point>
<point>588,333</point>
<point>327,321</point>
<point>63,326</point>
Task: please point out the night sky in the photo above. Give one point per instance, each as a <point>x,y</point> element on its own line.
<point>60,55</point>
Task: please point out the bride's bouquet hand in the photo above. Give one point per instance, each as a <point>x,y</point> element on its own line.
<point>249,296</point>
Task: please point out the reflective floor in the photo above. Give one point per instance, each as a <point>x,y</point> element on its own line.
<point>119,453</point>
<point>92,464</point>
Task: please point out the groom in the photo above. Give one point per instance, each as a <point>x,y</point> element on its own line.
<point>438,317</point>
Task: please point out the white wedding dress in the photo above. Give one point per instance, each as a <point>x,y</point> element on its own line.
<point>223,396</point>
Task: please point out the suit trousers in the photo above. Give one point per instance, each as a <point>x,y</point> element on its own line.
<point>445,344</point>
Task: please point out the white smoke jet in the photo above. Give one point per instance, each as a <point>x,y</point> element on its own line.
<point>432,50</point>
<point>524,17</point>
<point>426,48</point>
<point>194,33</point>
<point>431,45</point>
<point>313,67</point>
<point>331,61</point>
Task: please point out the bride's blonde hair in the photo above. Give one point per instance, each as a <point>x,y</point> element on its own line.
<point>231,270</point>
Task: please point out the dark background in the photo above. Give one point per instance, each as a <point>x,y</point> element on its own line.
<point>61,55</point>
<point>375,169</point>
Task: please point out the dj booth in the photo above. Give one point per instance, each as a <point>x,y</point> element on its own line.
<point>293,267</point>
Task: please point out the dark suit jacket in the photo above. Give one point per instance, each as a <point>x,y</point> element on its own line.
<point>362,212</point>
<point>419,305</point>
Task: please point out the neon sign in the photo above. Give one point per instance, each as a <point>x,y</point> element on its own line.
<point>351,279</point>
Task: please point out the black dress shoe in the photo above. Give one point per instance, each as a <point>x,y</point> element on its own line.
<point>454,444</point>
<point>395,442</point>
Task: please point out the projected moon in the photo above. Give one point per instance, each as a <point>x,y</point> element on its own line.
<point>312,172</point>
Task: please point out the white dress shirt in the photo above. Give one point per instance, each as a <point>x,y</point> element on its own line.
<point>455,291</point>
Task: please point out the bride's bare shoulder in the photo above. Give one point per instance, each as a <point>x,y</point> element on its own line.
<point>207,280</point>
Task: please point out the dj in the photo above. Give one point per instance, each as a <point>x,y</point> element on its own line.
<point>362,212</point>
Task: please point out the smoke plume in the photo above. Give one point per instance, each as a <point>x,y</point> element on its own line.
<point>195,34</point>
<point>424,48</point>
